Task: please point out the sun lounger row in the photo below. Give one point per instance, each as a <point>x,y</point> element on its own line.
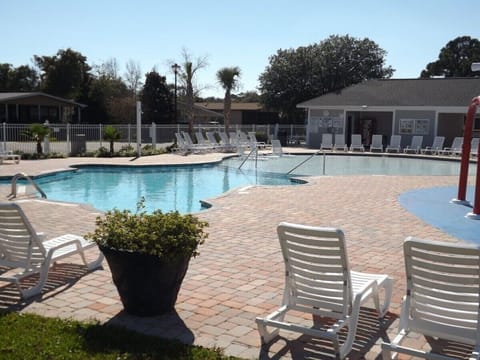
<point>441,301</point>
<point>234,141</point>
<point>415,146</point>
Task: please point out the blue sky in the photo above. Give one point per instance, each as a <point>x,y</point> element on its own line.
<point>241,33</point>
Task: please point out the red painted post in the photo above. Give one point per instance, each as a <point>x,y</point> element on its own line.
<point>467,138</point>
<point>476,206</point>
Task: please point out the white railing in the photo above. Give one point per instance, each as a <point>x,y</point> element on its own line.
<point>76,138</point>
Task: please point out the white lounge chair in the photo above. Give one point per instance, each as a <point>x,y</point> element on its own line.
<point>253,139</point>
<point>442,296</point>
<point>474,146</point>
<point>377,143</point>
<point>9,155</point>
<point>327,142</point>
<point>192,146</point>
<point>437,145</point>
<point>394,146</point>
<point>455,148</point>
<point>357,143</point>
<point>340,143</point>
<point>415,146</point>
<point>213,141</point>
<point>318,281</point>
<point>277,148</point>
<point>24,252</point>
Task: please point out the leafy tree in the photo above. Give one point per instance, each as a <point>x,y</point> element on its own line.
<point>157,99</point>
<point>65,74</point>
<point>455,59</point>
<point>22,78</point>
<point>37,132</point>
<point>187,77</point>
<point>228,78</point>
<point>111,135</point>
<point>133,77</point>
<point>106,90</point>
<point>296,75</point>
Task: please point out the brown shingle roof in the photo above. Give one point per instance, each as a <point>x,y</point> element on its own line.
<point>218,106</point>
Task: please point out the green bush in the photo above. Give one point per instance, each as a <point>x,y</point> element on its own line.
<point>166,235</point>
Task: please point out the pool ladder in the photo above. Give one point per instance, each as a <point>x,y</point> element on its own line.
<point>19,176</point>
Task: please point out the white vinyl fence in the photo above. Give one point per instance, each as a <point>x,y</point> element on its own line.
<point>80,138</point>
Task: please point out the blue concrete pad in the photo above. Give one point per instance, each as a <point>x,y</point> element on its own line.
<point>434,206</point>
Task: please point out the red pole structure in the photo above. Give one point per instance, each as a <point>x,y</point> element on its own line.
<point>475,214</point>
<point>467,138</point>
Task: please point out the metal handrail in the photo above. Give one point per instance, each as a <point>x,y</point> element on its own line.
<point>18,176</point>
<point>255,149</point>
<point>307,159</point>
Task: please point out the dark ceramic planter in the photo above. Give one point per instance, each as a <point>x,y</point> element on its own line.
<point>147,285</point>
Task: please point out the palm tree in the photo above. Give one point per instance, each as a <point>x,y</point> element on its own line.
<point>228,78</point>
<point>111,135</point>
<point>37,132</point>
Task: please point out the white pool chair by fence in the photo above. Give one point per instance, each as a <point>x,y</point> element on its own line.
<point>415,146</point>
<point>277,148</point>
<point>319,282</point>
<point>340,143</point>
<point>327,142</point>
<point>442,297</point>
<point>24,252</point>
<point>377,143</point>
<point>253,139</point>
<point>357,143</point>
<point>9,155</point>
<point>214,142</point>
<point>474,146</point>
<point>437,145</point>
<point>395,142</point>
<point>455,148</point>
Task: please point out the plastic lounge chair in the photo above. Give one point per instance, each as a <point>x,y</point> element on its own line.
<point>225,141</point>
<point>23,249</point>
<point>455,148</point>
<point>9,155</point>
<point>277,148</point>
<point>182,146</point>
<point>394,145</point>
<point>318,281</point>
<point>474,146</point>
<point>356,143</point>
<point>340,143</point>
<point>253,139</point>
<point>327,143</point>
<point>415,146</point>
<point>213,141</point>
<point>377,143</point>
<point>437,145</point>
<point>192,146</point>
<point>442,297</point>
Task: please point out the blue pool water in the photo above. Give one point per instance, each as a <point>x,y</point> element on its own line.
<point>183,188</point>
<point>164,187</point>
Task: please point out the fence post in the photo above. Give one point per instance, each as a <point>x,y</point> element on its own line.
<point>100,135</point>
<point>129,134</point>
<point>46,140</point>
<point>4,137</point>
<point>153,135</point>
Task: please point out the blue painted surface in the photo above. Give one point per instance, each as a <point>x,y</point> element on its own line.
<point>433,205</point>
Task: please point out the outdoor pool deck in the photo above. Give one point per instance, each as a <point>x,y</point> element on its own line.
<point>239,273</point>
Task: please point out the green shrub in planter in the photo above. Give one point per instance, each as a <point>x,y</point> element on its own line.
<point>142,248</point>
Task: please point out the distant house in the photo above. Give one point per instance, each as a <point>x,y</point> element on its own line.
<point>244,113</point>
<point>406,107</point>
<point>37,107</point>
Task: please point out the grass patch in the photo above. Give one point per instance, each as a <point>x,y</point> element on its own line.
<point>28,336</point>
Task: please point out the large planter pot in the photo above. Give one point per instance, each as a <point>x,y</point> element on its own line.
<point>147,285</point>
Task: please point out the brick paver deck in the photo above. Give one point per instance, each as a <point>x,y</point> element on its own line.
<point>239,273</point>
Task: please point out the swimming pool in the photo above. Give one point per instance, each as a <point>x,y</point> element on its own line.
<point>183,188</point>
<point>339,164</point>
<point>164,187</point>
